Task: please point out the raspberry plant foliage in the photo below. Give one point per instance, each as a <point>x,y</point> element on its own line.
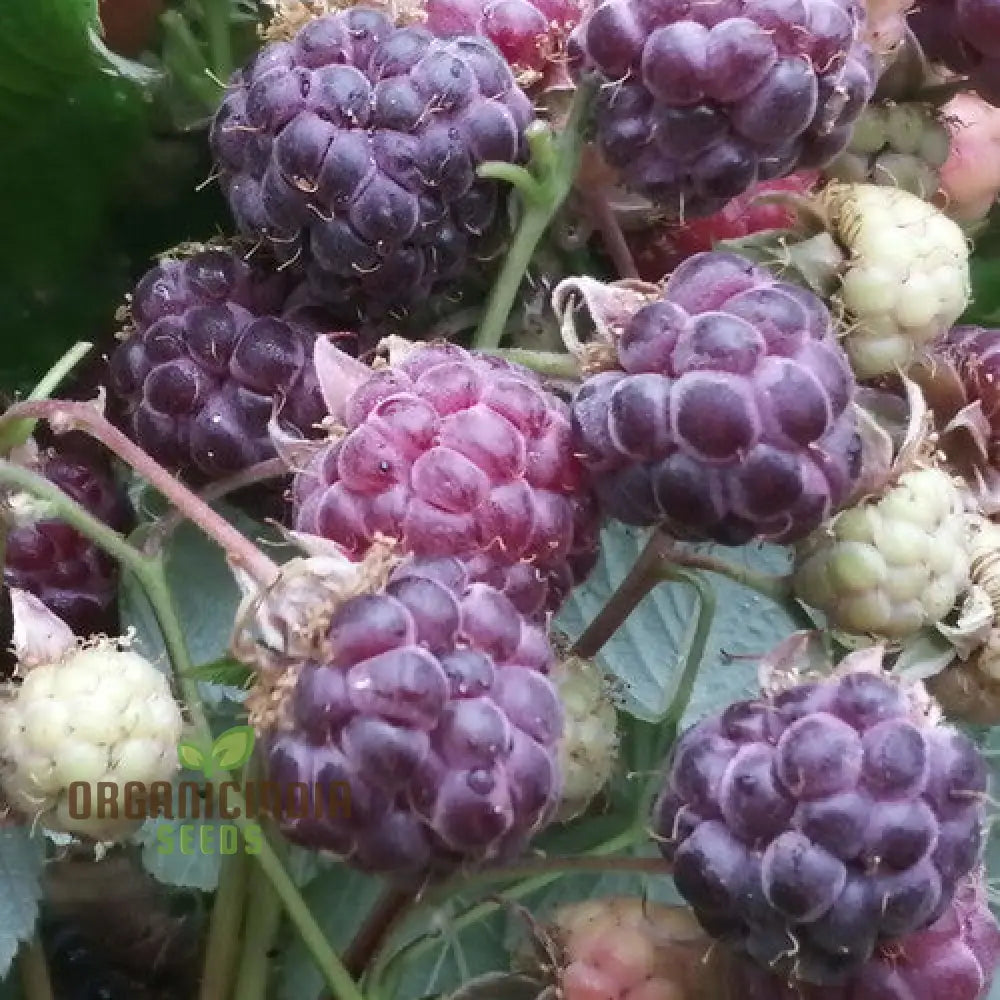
<point>727,490</point>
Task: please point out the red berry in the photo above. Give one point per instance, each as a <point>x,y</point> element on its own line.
<point>657,251</point>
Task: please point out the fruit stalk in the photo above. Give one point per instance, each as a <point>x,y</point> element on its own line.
<point>85,417</point>
<point>386,969</point>
<point>554,165</point>
<point>642,577</point>
<point>35,982</point>
<point>222,946</point>
<point>271,468</point>
<point>262,926</point>
<point>555,364</point>
<point>774,587</point>
<point>604,218</point>
<point>389,910</point>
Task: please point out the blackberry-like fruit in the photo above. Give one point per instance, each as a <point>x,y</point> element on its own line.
<point>953,959</point>
<point>458,454</point>
<point>699,102</point>
<point>906,276</point>
<point>431,727</point>
<point>531,34</point>
<point>895,145</point>
<point>730,416</point>
<point>964,35</point>
<point>810,828</point>
<point>207,361</point>
<point>353,149</point>
<point>100,714</point>
<point>657,251</point>
<point>893,564</point>
<point>74,578</point>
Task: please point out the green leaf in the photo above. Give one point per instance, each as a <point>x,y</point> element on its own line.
<point>233,748</point>
<point>172,851</point>
<point>208,610</point>
<point>339,898</point>
<point>650,646</point>
<point>191,756</point>
<point>225,671</point>
<point>21,860</point>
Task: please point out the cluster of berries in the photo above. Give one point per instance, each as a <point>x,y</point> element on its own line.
<point>829,835</point>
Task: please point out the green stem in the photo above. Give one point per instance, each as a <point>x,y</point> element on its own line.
<point>263,923</point>
<point>554,165</point>
<point>220,43</point>
<point>775,588</point>
<point>529,189</point>
<point>692,663</point>
<point>18,432</point>
<point>186,61</point>
<point>222,946</point>
<point>557,364</point>
<point>34,969</point>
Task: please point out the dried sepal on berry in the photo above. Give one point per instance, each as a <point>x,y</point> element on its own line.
<point>288,620</point>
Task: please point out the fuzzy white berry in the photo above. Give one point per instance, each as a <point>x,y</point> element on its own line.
<point>589,744</point>
<point>99,714</point>
<point>892,565</point>
<point>907,277</point>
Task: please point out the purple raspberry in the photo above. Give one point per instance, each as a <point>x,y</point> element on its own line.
<point>730,417</point>
<point>208,360</point>
<point>812,828</point>
<point>459,454</point>
<point>953,959</point>
<point>964,35</point>
<point>433,724</point>
<point>699,102</point>
<point>353,149</point>
<point>68,573</point>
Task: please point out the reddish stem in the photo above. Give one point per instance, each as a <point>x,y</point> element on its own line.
<point>84,416</point>
<point>272,468</point>
<point>604,218</point>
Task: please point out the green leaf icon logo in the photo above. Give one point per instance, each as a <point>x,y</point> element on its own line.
<point>233,748</point>
<point>191,756</point>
